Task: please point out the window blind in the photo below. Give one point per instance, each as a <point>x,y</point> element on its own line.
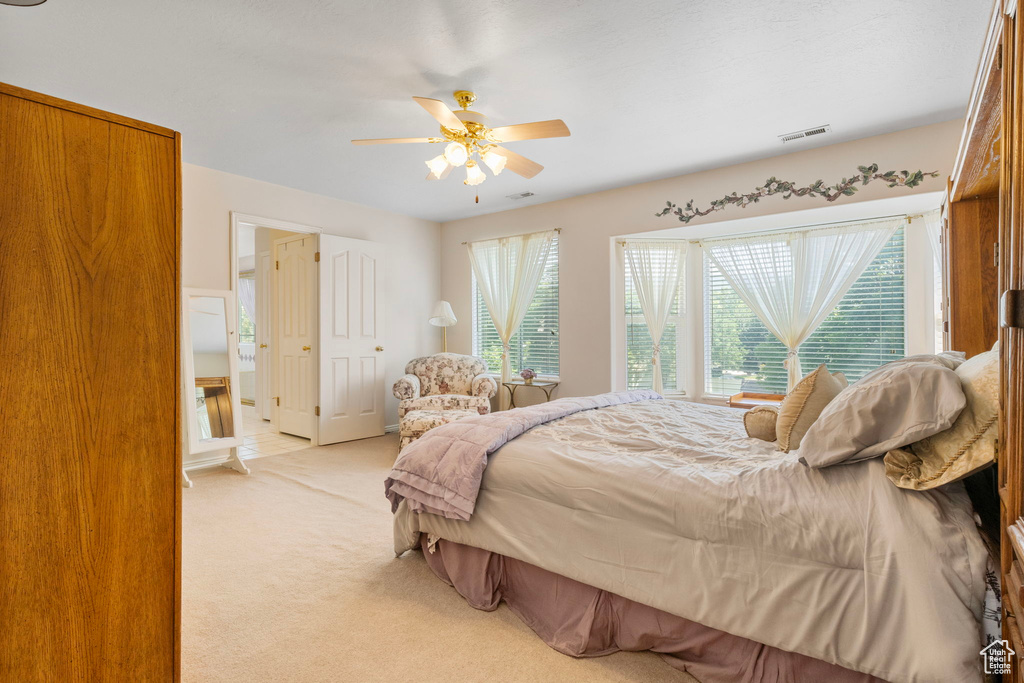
<point>640,346</point>
<point>866,329</point>
<point>535,343</point>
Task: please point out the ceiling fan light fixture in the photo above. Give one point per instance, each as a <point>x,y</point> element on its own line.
<point>474,176</point>
<point>456,153</point>
<point>469,141</point>
<point>496,162</point>
<point>437,165</point>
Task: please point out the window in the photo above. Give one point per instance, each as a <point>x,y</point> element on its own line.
<point>865,330</point>
<point>246,329</point>
<point>639,345</point>
<point>535,343</point>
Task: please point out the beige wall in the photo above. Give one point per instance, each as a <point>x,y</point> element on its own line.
<point>589,224</point>
<point>413,251</point>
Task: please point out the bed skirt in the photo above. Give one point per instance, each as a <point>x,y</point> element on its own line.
<point>582,621</point>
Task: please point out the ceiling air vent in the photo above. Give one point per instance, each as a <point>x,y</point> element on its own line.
<point>817,130</point>
<point>521,195</point>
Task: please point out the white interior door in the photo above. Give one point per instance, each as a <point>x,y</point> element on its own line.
<point>295,331</point>
<point>351,340</point>
<point>264,267</point>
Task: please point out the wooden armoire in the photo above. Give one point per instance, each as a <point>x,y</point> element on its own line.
<point>90,501</point>
<point>990,171</point>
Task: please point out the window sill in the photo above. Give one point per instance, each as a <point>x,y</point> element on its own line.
<point>711,400</point>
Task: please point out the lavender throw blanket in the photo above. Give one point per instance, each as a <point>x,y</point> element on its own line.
<point>440,472</point>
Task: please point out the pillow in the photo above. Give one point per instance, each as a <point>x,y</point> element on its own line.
<point>969,445</point>
<point>951,359</point>
<point>892,406</point>
<point>947,359</point>
<point>802,406</point>
<point>759,422</point>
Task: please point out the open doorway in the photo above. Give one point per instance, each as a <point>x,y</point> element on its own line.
<point>260,310</point>
<point>311,351</point>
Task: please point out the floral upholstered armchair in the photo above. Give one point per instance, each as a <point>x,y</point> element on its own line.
<point>445,381</point>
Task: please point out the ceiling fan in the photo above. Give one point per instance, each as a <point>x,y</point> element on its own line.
<point>467,135</point>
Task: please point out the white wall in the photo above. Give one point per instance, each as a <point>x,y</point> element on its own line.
<point>211,364</point>
<point>590,224</point>
<point>413,251</point>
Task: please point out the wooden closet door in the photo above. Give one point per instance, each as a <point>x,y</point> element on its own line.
<point>1011,338</point>
<point>89,380</point>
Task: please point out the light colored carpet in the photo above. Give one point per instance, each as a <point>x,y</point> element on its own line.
<point>289,575</point>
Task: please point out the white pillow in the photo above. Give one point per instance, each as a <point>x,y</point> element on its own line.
<point>893,406</point>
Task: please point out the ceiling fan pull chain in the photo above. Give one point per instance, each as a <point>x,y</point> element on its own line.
<point>477,197</point>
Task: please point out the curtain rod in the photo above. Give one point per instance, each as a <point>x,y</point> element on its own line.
<point>804,228</point>
<point>519,235</point>
<point>823,226</point>
<point>624,242</point>
<point>813,226</point>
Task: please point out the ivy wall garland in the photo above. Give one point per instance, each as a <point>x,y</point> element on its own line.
<point>787,189</point>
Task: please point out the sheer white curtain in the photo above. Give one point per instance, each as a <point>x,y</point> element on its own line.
<point>247,296</point>
<point>656,267</point>
<point>793,280</point>
<point>933,228</point>
<point>507,272</point>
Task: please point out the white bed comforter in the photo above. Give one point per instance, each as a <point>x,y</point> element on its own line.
<point>669,504</point>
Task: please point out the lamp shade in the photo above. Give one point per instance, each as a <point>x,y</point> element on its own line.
<point>443,315</point>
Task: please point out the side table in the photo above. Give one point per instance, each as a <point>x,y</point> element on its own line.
<point>547,386</point>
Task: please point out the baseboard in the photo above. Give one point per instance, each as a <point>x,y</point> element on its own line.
<point>216,458</point>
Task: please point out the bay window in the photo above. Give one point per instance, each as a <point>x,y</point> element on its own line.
<point>736,351</point>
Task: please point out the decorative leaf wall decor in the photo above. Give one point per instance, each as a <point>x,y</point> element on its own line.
<point>846,187</point>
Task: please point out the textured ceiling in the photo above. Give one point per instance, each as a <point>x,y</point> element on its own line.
<point>649,88</point>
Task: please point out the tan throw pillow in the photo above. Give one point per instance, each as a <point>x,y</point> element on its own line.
<point>969,445</point>
<point>759,422</point>
<point>804,404</point>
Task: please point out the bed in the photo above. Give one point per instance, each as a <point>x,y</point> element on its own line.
<point>668,505</point>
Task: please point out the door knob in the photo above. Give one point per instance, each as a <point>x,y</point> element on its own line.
<point>380,348</point>
<point>306,348</point>
<point>263,346</point>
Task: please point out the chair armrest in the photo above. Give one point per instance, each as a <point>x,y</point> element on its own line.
<point>484,385</point>
<point>406,387</point>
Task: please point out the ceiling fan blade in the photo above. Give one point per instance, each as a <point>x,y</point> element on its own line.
<point>517,163</point>
<point>444,173</point>
<point>554,128</point>
<point>440,111</point>
<point>392,141</point>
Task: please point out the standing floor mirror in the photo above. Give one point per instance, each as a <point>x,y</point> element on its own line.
<point>211,401</point>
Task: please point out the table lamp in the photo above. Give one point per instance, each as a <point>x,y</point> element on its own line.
<point>443,317</point>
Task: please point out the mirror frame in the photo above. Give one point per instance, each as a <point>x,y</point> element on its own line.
<point>189,372</point>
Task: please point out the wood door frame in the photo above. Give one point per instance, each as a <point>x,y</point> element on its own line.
<point>237,219</point>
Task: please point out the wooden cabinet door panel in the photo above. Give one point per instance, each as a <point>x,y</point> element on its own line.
<point>972,274</point>
<point>89,283</point>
